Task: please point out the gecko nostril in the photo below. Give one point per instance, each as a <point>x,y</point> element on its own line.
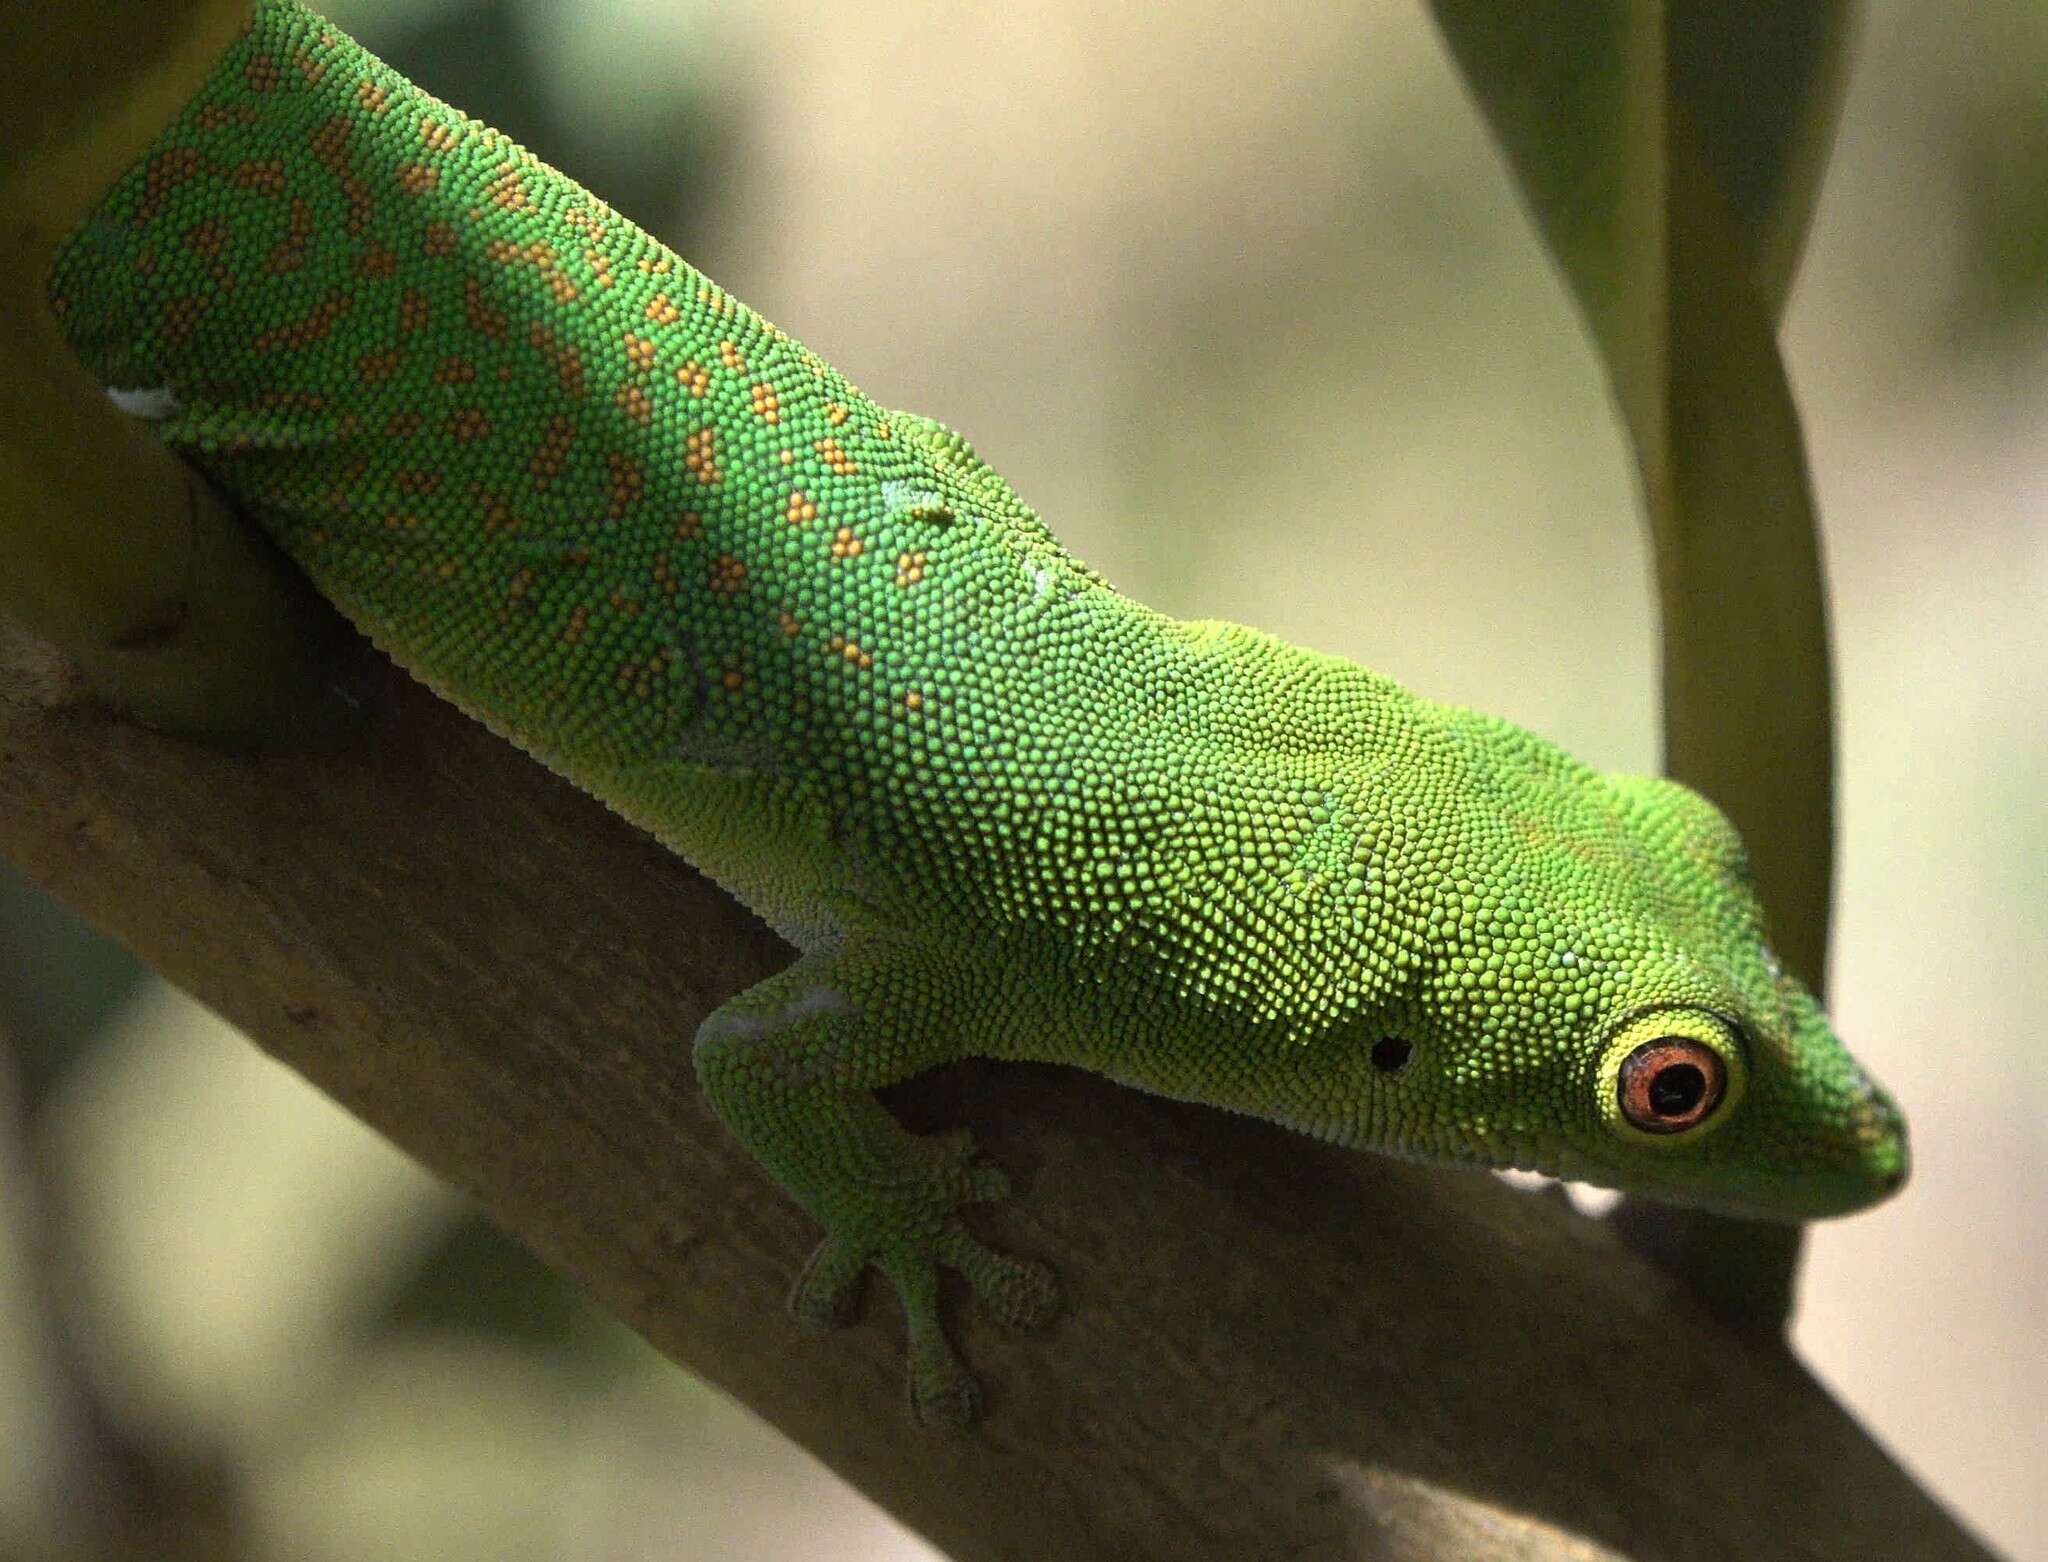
<point>1390,1054</point>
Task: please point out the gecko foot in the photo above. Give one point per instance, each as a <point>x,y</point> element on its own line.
<point>910,1237</point>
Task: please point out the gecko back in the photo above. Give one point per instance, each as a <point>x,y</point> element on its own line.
<point>559,474</point>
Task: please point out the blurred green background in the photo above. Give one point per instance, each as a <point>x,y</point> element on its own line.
<point>1238,295</point>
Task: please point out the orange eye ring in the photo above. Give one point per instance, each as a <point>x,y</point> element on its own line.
<point>1671,1084</point>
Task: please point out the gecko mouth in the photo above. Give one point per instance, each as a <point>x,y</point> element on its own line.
<point>1847,1173</point>
<point>1809,1190</point>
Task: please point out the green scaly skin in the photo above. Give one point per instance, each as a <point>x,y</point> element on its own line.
<point>825,654</point>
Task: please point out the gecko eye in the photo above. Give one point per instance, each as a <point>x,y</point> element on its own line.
<point>1671,1084</point>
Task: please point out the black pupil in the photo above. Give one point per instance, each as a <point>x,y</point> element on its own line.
<point>1390,1054</point>
<point>1676,1089</point>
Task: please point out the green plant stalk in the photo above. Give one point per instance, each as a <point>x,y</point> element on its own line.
<point>1675,195</point>
<point>172,610</point>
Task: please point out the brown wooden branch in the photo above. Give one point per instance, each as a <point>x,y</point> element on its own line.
<point>1273,1349</point>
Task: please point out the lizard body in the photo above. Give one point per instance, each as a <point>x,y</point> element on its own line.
<point>823,652</point>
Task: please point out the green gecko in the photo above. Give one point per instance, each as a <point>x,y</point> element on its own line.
<point>823,652</point>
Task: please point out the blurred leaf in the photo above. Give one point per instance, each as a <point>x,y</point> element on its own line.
<point>1759,85</point>
<point>60,983</point>
<point>1998,138</point>
<point>1670,151</point>
<point>1748,711</point>
<point>478,1281</point>
<point>500,85</point>
<point>2004,293</point>
<point>653,157</point>
<point>1575,94</point>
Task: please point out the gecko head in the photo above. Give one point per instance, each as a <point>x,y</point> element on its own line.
<point>1716,1077</point>
<point>1749,1109</point>
<point>1638,1031</point>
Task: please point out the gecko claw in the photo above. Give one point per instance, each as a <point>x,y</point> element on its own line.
<point>943,1393</point>
<point>1019,1293</point>
<point>829,1292</point>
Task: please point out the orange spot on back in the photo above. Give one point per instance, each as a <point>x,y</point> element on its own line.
<point>627,484</point>
<point>699,455</point>
<point>541,256</point>
<point>482,315</point>
<point>167,170</point>
<point>329,142</point>
<point>497,517</point>
<point>507,188</point>
<point>436,136</point>
<point>567,359</point>
<point>313,328</point>
<point>181,318</point>
<point>553,454</point>
<point>728,576</point>
<point>289,253</point>
<point>264,174</point>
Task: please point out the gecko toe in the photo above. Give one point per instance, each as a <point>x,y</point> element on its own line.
<point>944,1394</point>
<point>971,1178</point>
<point>1018,1293</point>
<point>827,1295</point>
